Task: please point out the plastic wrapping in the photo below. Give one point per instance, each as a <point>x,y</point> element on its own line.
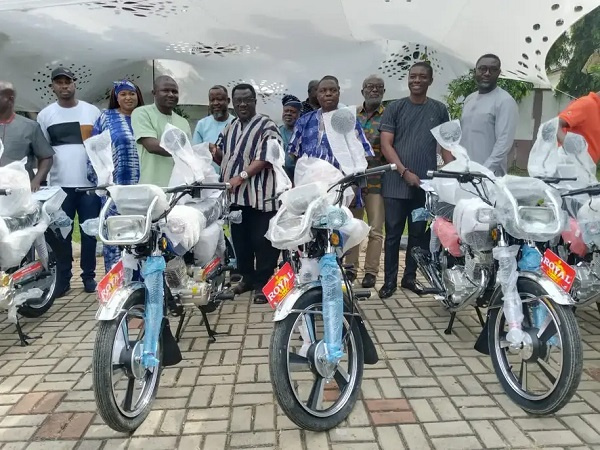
<point>529,209</point>
<point>530,259</point>
<point>333,307</point>
<point>309,270</point>
<point>14,246</point>
<point>206,246</point>
<point>130,265</point>
<point>574,237</point>
<point>188,167</point>
<point>153,270</point>
<point>90,227</point>
<point>420,215</point>
<point>276,156</point>
<point>467,220</point>
<point>353,233</point>
<point>296,200</point>
<point>61,222</point>
<point>346,148</point>
<point>332,218</point>
<point>14,176</point>
<point>310,170</point>
<point>100,154</point>
<point>183,228</point>
<point>448,236</point>
<point>507,277</point>
<point>211,208</point>
<point>21,298</point>
<point>136,199</point>
<point>588,218</point>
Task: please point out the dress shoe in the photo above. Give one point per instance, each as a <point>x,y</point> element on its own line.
<point>242,287</point>
<point>260,299</point>
<point>351,276</point>
<point>61,291</point>
<point>409,283</point>
<point>89,285</point>
<point>368,281</point>
<point>387,291</point>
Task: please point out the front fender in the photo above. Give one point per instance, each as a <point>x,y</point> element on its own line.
<point>284,308</point>
<point>113,307</point>
<point>554,292</point>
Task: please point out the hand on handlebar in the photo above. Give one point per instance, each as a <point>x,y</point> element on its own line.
<point>235,182</point>
<point>411,179</point>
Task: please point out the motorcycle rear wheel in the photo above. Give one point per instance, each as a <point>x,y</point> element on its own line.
<point>35,307</point>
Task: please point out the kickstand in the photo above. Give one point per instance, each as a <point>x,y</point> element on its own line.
<point>211,333</point>
<point>179,326</point>
<point>598,306</point>
<point>22,336</point>
<point>450,324</point>
<point>480,316</point>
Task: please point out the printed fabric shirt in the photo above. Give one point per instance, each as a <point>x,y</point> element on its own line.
<point>306,108</point>
<point>241,145</point>
<point>305,140</point>
<point>370,123</point>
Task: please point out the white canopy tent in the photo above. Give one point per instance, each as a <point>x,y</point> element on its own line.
<point>276,45</point>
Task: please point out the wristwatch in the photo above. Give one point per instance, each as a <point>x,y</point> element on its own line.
<point>244,175</point>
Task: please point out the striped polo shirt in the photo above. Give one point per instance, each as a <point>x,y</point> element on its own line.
<point>242,144</point>
<point>411,125</point>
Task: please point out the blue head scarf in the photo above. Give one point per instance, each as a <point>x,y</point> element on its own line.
<point>123,85</point>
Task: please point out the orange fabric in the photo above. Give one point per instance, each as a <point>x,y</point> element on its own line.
<point>583,117</point>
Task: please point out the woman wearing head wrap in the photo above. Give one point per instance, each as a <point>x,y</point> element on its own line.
<point>291,111</point>
<point>125,96</point>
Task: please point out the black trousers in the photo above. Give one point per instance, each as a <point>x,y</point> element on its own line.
<point>397,213</point>
<point>256,257</point>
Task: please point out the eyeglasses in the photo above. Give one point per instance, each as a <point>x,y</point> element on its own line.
<point>243,101</point>
<point>372,87</point>
<point>491,69</point>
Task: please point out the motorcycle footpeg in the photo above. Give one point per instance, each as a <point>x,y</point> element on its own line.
<point>420,290</point>
<point>225,295</point>
<point>362,294</point>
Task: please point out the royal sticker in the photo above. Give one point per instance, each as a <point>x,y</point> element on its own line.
<point>280,285</point>
<point>558,270</point>
<point>112,281</point>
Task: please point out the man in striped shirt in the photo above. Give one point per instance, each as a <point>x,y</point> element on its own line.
<point>406,141</point>
<point>241,150</point>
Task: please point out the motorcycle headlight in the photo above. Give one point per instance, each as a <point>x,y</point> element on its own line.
<point>485,215</point>
<point>534,214</point>
<point>125,228</point>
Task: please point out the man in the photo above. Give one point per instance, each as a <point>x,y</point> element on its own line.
<point>66,124</point>
<point>312,102</point>
<point>310,137</point>
<point>289,116</point>
<point>241,150</point>
<point>149,123</point>
<point>209,128</point>
<point>489,119</point>
<point>23,138</point>
<point>583,117</point>
<point>369,115</point>
<point>406,141</point>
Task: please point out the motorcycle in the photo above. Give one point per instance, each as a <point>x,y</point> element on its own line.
<point>319,342</point>
<point>27,246</point>
<point>480,235</point>
<point>168,233</point>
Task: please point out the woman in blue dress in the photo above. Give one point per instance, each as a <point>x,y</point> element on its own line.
<point>125,96</point>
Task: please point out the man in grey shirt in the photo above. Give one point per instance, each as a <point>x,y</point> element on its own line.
<point>406,141</point>
<point>489,119</point>
<point>22,138</point>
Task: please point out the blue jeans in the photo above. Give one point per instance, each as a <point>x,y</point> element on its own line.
<point>87,206</point>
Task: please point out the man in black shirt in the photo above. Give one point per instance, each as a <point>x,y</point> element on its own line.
<point>406,141</point>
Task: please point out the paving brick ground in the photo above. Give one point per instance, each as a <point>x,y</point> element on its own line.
<point>428,391</point>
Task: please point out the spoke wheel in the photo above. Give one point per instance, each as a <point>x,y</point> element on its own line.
<point>35,307</point>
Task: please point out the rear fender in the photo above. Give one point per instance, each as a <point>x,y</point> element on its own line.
<point>113,307</point>
<point>287,305</point>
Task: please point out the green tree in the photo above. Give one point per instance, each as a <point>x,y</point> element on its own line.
<point>461,87</point>
<point>571,52</point>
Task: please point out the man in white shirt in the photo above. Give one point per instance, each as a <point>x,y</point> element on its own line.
<point>66,124</point>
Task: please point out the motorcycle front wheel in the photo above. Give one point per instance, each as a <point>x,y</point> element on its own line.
<point>543,375</point>
<point>314,397</point>
<point>123,388</point>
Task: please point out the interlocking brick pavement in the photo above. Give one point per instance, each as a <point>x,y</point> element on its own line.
<point>429,390</point>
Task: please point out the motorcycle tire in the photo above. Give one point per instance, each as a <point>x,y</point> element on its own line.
<point>30,309</point>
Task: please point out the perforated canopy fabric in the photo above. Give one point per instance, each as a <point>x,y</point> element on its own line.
<point>278,46</point>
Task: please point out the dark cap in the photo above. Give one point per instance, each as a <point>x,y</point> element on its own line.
<point>63,72</point>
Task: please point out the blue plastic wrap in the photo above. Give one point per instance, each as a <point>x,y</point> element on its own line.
<point>530,260</point>
<point>420,215</point>
<point>333,306</point>
<point>539,316</point>
<point>152,271</point>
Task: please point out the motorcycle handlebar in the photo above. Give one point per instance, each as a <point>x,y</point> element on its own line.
<point>190,187</point>
<point>462,177</point>
<point>373,171</point>
<point>590,190</point>
<point>555,180</point>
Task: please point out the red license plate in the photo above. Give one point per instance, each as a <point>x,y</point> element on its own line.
<point>280,285</point>
<point>558,270</point>
<point>110,283</point>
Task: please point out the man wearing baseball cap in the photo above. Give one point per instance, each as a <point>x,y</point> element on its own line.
<point>66,124</point>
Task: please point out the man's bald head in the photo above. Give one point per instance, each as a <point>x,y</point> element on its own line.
<point>163,79</point>
<point>7,86</point>
<point>7,98</point>
<point>313,86</point>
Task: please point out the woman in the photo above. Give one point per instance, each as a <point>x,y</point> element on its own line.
<point>125,96</point>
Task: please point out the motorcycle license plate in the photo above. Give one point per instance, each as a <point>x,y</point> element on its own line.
<point>110,283</point>
<point>280,285</point>
<point>558,270</point>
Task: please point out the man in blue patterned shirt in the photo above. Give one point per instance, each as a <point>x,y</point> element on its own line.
<point>309,136</point>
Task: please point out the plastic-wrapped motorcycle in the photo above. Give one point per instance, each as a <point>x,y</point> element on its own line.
<point>485,231</point>
<point>27,260</point>
<point>175,236</point>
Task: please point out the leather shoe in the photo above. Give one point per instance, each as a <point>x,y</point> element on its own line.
<point>387,291</point>
<point>368,281</point>
<point>351,276</point>
<point>409,283</point>
<point>260,299</point>
<point>89,285</point>
<point>241,288</point>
